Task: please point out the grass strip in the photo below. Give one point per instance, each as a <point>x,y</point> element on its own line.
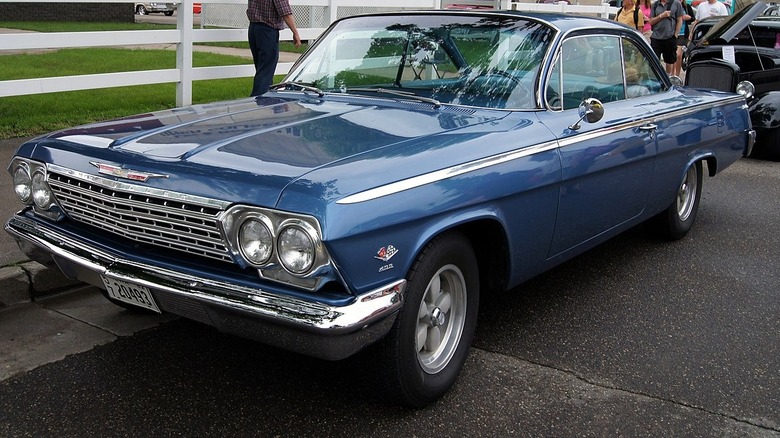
<point>23,116</point>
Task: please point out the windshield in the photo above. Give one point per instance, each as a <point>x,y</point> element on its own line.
<point>458,59</point>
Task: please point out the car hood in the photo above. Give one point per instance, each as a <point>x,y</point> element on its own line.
<point>733,25</point>
<point>250,150</point>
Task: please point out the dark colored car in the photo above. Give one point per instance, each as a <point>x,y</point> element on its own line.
<point>740,53</point>
<point>772,11</point>
<point>409,163</point>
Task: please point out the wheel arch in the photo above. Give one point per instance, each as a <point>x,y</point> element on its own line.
<point>489,240</point>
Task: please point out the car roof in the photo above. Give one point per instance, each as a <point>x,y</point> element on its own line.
<point>564,22</point>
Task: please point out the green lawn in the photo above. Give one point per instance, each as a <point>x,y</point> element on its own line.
<point>22,116</point>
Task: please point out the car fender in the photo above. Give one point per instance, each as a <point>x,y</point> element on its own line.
<point>765,110</point>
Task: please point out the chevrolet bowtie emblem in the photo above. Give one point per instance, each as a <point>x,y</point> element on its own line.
<point>117,171</point>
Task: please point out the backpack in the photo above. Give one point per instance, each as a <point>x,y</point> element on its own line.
<point>636,16</point>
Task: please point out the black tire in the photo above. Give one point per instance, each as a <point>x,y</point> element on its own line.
<point>168,13</point>
<point>440,309</point>
<point>140,10</point>
<point>675,222</point>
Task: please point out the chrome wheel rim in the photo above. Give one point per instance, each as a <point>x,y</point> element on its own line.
<point>441,318</point>
<point>686,194</point>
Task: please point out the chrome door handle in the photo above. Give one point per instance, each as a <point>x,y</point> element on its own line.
<point>650,127</point>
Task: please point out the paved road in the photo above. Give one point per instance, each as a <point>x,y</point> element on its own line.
<point>634,338</point>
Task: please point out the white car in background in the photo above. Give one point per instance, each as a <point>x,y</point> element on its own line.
<point>148,8</point>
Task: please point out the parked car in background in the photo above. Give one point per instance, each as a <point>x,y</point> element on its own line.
<point>409,163</point>
<point>466,6</point>
<point>469,4</point>
<point>740,53</point>
<point>154,7</point>
<point>772,10</point>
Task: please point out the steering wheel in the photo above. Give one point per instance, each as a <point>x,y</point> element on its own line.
<point>493,72</point>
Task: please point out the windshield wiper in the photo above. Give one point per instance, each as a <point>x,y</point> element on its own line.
<point>407,94</point>
<point>302,86</point>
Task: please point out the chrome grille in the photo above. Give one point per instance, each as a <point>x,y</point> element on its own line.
<point>711,75</point>
<point>169,223</point>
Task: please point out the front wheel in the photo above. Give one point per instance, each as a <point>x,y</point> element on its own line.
<point>141,10</point>
<point>430,340</point>
<point>675,222</point>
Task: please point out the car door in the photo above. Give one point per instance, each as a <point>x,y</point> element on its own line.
<point>607,166</point>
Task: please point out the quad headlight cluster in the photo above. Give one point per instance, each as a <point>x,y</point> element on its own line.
<point>31,186</point>
<point>269,240</point>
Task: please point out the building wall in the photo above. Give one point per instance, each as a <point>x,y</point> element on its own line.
<point>102,12</point>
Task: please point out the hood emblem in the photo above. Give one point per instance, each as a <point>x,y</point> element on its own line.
<point>117,171</point>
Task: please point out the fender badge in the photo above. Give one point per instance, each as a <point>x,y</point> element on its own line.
<point>386,253</point>
<point>117,171</point>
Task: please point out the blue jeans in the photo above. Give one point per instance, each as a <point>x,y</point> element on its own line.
<point>264,44</point>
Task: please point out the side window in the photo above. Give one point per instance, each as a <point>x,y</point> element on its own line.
<point>608,68</point>
<point>640,77</point>
<point>587,66</point>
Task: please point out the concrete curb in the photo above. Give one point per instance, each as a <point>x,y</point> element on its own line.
<point>29,281</point>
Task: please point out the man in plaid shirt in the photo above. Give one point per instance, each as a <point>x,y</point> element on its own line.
<point>266,19</point>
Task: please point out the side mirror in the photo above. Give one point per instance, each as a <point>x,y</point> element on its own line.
<point>591,110</point>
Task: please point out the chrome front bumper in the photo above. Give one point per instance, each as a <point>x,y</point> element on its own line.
<point>308,327</point>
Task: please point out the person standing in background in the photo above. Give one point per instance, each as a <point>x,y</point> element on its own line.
<point>647,30</point>
<point>666,19</point>
<point>266,19</point>
<point>631,15</point>
<point>710,8</point>
<point>684,36</point>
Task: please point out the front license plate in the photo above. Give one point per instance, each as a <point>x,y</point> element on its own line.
<point>130,293</point>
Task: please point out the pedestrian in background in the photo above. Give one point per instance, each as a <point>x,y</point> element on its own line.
<point>710,8</point>
<point>666,19</point>
<point>684,37</point>
<point>266,19</point>
<point>631,15</point>
<point>647,30</point>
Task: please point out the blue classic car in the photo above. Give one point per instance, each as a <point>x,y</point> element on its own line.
<point>408,163</point>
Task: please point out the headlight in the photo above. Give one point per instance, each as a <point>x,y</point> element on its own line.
<point>746,89</point>
<point>23,183</point>
<point>41,194</point>
<point>255,241</point>
<point>296,249</point>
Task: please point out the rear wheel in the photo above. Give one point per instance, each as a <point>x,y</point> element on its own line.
<point>675,222</point>
<point>141,10</point>
<point>428,345</point>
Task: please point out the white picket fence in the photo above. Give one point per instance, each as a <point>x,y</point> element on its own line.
<point>184,36</point>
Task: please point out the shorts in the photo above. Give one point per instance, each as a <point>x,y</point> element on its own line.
<point>682,41</point>
<point>666,49</point>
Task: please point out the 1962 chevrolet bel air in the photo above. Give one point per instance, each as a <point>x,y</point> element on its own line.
<point>407,164</point>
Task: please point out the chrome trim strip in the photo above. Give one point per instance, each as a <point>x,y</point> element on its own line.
<point>133,188</point>
<point>442,174</point>
<point>322,318</point>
